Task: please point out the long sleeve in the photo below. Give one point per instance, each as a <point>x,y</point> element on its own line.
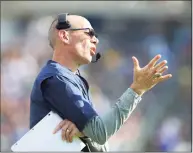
<point>101,128</point>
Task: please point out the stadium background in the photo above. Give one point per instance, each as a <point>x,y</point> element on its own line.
<point>161,122</point>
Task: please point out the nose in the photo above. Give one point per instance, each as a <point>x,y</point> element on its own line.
<point>95,40</point>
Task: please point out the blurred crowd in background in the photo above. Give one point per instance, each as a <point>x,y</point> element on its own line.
<point>162,120</point>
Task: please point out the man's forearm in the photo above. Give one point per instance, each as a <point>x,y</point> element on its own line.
<point>100,128</point>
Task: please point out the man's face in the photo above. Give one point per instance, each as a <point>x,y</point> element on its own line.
<point>82,44</point>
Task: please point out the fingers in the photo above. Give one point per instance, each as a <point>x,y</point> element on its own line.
<point>135,62</point>
<point>164,78</point>
<point>163,69</point>
<point>64,130</point>
<point>59,126</point>
<point>69,130</point>
<point>147,77</point>
<point>71,127</point>
<point>154,61</point>
<point>160,65</point>
<point>72,134</point>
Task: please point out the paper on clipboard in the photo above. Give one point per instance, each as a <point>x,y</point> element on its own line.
<point>41,137</point>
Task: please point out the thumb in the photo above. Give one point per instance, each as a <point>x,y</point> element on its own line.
<point>135,62</point>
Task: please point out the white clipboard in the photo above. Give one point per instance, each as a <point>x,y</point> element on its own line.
<point>41,138</point>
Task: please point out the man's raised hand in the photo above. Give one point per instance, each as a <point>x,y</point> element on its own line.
<point>147,77</point>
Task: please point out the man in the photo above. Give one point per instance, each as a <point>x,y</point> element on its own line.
<point>60,89</point>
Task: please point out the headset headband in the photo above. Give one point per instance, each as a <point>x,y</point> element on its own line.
<point>62,21</point>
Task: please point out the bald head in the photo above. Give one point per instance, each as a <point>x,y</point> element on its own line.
<point>76,21</point>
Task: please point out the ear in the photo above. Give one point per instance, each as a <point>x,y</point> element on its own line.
<point>64,36</point>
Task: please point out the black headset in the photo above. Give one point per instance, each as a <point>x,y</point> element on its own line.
<point>62,21</point>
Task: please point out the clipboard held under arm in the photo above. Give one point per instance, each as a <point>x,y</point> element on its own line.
<point>41,137</point>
